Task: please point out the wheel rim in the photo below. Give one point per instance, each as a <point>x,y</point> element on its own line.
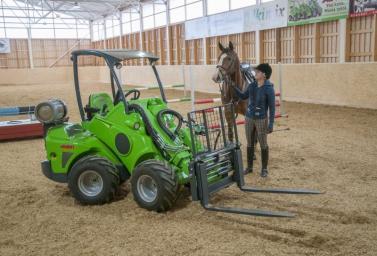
<point>90,183</point>
<point>147,188</point>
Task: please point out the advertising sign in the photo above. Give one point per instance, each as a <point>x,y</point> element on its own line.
<point>362,7</point>
<point>311,11</point>
<point>268,15</point>
<point>4,45</point>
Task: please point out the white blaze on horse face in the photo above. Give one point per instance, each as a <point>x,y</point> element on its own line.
<point>216,76</point>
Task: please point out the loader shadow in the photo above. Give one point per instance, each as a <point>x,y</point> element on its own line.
<point>64,196</point>
<point>122,192</point>
<point>183,200</point>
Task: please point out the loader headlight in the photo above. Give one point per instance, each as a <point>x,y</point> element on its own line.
<point>51,111</point>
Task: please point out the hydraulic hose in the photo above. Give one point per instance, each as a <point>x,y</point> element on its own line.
<point>148,125</point>
<point>160,115</point>
<point>158,141</point>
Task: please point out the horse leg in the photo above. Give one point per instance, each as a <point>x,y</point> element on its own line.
<point>230,120</point>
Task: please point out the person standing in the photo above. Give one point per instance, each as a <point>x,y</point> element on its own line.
<point>260,114</point>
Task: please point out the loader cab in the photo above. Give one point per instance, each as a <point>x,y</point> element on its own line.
<point>103,103</point>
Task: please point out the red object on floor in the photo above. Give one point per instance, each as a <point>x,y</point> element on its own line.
<point>20,129</point>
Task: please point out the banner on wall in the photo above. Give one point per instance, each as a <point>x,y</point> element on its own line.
<point>311,11</point>
<point>4,45</point>
<point>265,16</point>
<point>363,7</point>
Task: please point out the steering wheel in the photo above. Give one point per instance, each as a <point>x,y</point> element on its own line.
<point>135,92</point>
<point>118,98</point>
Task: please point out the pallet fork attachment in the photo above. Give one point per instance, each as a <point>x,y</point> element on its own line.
<point>228,160</point>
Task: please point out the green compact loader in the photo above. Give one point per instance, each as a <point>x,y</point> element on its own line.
<point>122,136</point>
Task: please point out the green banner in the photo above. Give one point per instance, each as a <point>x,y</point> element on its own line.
<point>311,11</point>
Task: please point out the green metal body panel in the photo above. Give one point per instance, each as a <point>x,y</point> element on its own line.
<point>66,143</point>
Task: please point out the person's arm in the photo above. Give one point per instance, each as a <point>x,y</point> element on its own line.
<point>242,94</point>
<point>271,108</point>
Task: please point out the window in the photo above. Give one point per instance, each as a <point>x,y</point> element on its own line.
<point>147,10</point>
<point>148,22</point>
<point>2,32</point>
<point>43,33</point>
<point>176,3</point>
<point>43,23</point>
<point>16,33</point>
<point>159,7</point>
<point>194,10</point>
<point>126,28</point>
<point>126,17</point>
<point>135,25</point>
<point>216,6</point>
<point>65,33</point>
<point>235,4</point>
<point>177,14</point>
<point>160,19</point>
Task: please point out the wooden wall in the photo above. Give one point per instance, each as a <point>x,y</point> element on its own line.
<point>45,52</point>
<point>362,38</point>
<point>312,43</point>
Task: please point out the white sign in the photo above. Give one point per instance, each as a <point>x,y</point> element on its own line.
<point>196,27</point>
<point>225,23</point>
<point>267,15</point>
<point>4,45</point>
<point>257,17</point>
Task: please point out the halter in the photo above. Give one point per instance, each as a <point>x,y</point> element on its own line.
<point>225,78</point>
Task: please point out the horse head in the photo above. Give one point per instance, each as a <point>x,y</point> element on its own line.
<point>228,64</point>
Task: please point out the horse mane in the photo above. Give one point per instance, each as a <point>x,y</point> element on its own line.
<point>237,77</point>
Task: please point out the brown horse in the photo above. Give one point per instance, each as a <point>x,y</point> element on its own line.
<point>227,73</point>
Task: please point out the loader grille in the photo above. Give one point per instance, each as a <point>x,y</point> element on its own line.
<point>212,129</point>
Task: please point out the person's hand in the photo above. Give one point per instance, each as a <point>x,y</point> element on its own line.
<point>270,129</point>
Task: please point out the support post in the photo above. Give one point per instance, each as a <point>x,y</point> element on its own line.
<point>277,45</point>
<point>184,81</point>
<point>205,51</point>
<point>30,48</point>
<point>296,42</point>
<point>342,40</point>
<point>282,111</point>
<point>141,31</point>
<point>104,35</point>
<point>205,40</point>
<point>167,34</point>
<point>317,43</point>
<point>192,88</point>
<point>257,47</point>
<point>374,40</point>
<point>91,30</point>
<point>258,50</point>
<point>120,30</point>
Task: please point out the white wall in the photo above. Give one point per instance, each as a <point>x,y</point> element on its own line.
<point>348,84</point>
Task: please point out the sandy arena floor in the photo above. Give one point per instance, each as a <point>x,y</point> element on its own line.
<point>332,149</point>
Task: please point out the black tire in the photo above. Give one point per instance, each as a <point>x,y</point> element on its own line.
<point>166,184</point>
<point>94,165</point>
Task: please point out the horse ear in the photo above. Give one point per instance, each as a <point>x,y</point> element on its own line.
<point>231,46</point>
<point>221,47</point>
